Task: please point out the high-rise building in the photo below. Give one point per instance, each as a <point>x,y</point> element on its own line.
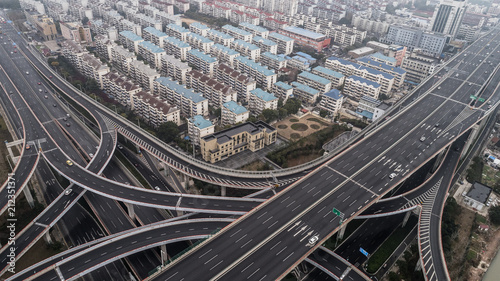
<point>288,7</point>
<point>448,16</point>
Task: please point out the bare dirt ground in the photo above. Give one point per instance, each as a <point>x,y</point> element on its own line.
<point>492,240</point>
<point>188,20</point>
<point>288,131</point>
<point>460,246</point>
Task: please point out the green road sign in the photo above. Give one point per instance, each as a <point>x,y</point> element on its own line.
<point>337,212</point>
<point>480,99</point>
<point>473,97</point>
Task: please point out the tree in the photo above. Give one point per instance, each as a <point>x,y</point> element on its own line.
<point>494,213</point>
<point>282,113</point>
<point>185,25</point>
<point>176,10</point>
<point>270,115</point>
<point>344,21</point>
<point>252,119</point>
<point>217,112</point>
<point>390,9</point>
<point>92,85</point>
<point>292,105</point>
<point>168,131</point>
<point>323,113</point>
<point>85,20</point>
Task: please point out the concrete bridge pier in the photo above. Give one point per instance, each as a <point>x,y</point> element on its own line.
<point>405,220</point>
<point>439,159</point>
<point>47,238</point>
<point>223,191</point>
<point>419,265</point>
<point>340,233</point>
<point>131,211</point>
<point>470,140</point>
<point>164,255</point>
<point>28,196</point>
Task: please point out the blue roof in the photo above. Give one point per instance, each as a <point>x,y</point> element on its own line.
<point>283,85</point>
<point>234,107</point>
<point>245,44</point>
<point>305,88</point>
<point>263,94</point>
<point>224,49</point>
<point>328,72</point>
<point>264,41</point>
<point>186,93</point>
<point>365,113</point>
<point>382,65</point>
<point>236,30</point>
<point>273,56</point>
<point>176,42</point>
<point>200,38</point>
<point>361,67</point>
<point>155,32</point>
<point>202,55</point>
<point>363,80</point>
<point>382,57</point>
<point>314,77</point>
<point>304,32</point>
<point>200,122</point>
<point>307,56</point>
<point>334,94</point>
<point>130,35</point>
<point>252,64</point>
<point>220,34</point>
<point>253,27</point>
<point>371,99</point>
<point>177,28</point>
<point>301,59</point>
<point>199,25</point>
<point>280,37</point>
<point>151,47</point>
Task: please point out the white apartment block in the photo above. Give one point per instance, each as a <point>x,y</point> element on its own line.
<point>418,67</point>
<point>282,90</point>
<point>189,102</point>
<point>335,77</point>
<point>398,73</point>
<point>177,48</point>
<point>145,21</point>
<point>273,61</point>
<point>260,100</point>
<point>143,74</point>
<point>199,28</point>
<point>174,68</point>
<point>177,31</point>
<point>254,29</point>
<point>241,83</point>
<point>215,91</point>
<point>199,42</point>
<point>263,75</point>
<point>154,36</point>
<point>154,110</point>
<point>265,45</point>
<point>130,40</point>
<point>72,51</point>
<point>120,87</point>
<point>285,43</point>
<point>104,46</point>
<point>332,101</point>
<point>151,53</point>
<point>355,87</point>
<point>220,37</point>
<point>246,49</point>
<point>166,18</point>
<point>224,54</point>
<point>199,127</point>
<point>124,25</point>
<point>202,62</point>
<point>121,58</point>
<point>232,113</point>
<point>92,67</point>
<point>312,80</point>
<point>237,33</point>
<point>305,93</point>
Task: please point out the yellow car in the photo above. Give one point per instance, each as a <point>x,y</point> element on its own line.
<point>69,162</point>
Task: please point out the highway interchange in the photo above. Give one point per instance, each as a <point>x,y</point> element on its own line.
<point>350,182</point>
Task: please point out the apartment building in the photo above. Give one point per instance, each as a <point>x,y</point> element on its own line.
<point>92,67</point>
<point>367,107</point>
<point>174,68</point>
<point>154,36</point>
<point>199,42</point>
<point>177,48</point>
<point>246,49</point>
<point>254,29</point>
<point>379,57</point>
<point>72,51</point>
<point>143,74</point>
<point>273,61</point>
<point>274,24</point>
<point>355,87</point>
<point>201,61</point>
<point>103,46</point>
<point>331,101</point>
<point>305,93</point>
<point>76,31</point>
<point>282,90</point>
<point>199,28</point>
<point>215,91</point>
<point>224,54</point>
<point>151,53</point>
<point>419,66</point>
<point>260,100</point>
<point>166,18</point>
<point>263,75</point>
<point>124,25</point>
<point>285,43</point>
<point>346,36</point>
<point>177,31</point>
<point>251,136</point>
<point>265,45</point>
<point>189,102</point>
<point>398,73</point>
<point>240,82</point>
<point>130,40</point>
<point>335,77</point>
<point>198,127</point>
<point>430,43</point>
<point>154,110</point>
<point>121,58</point>
<point>145,21</point>
<point>220,37</point>
<point>237,33</point>
<point>120,88</point>
<point>317,82</point>
<point>233,113</point>
<point>304,37</point>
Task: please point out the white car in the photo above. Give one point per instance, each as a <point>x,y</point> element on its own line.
<point>422,138</point>
<point>393,175</point>
<point>157,188</point>
<point>68,191</point>
<point>313,240</point>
